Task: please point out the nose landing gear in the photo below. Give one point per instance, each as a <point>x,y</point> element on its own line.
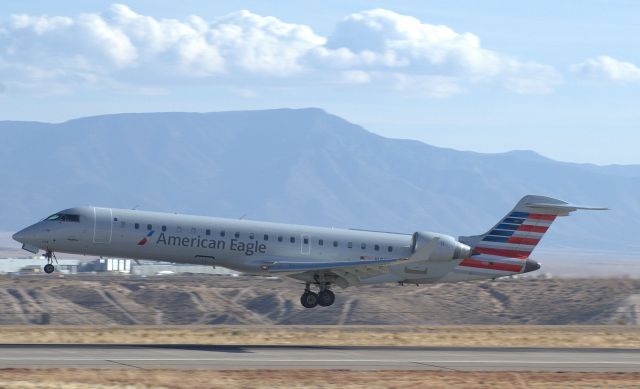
<point>50,257</point>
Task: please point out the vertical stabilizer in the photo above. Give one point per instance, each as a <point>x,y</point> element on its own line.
<point>507,246</point>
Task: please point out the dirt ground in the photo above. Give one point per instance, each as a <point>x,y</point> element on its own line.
<point>217,300</point>
<point>453,336</point>
<point>232,379</point>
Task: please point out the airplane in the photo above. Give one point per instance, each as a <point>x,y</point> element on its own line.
<point>318,256</point>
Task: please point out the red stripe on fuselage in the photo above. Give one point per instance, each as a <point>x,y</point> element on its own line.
<point>530,228</point>
<point>502,252</point>
<point>520,240</point>
<point>491,265</point>
<point>540,216</point>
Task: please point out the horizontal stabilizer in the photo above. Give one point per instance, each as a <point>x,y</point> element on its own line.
<point>564,207</point>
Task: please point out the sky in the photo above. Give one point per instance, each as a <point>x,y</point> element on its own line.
<point>561,78</point>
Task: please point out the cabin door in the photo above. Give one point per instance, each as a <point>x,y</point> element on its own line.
<point>102,225</point>
<point>305,243</point>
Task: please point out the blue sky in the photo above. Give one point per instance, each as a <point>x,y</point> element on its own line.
<point>561,78</point>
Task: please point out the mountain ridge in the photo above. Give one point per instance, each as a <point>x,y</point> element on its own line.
<point>301,166</point>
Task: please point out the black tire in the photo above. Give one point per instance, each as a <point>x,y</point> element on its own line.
<point>326,298</point>
<point>309,299</point>
<point>48,268</point>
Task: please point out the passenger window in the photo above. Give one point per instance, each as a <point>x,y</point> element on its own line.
<point>363,246</point>
<point>237,235</point>
<point>335,243</point>
<point>136,226</point>
<point>222,234</point>
<point>149,227</point>
<point>251,236</point>
<point>265,237</point>
<point>350,245</point>
<point>376,247</point>
<point>164,228</point>
<point>279,239</point>
<point>389,249</point>
<point>306,240</point>
<point>207,232</point>
<point>321,242</point>
<point>292,240</point>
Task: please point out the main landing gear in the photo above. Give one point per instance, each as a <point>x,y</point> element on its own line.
<point>50,257</point>
<point>323,298</point>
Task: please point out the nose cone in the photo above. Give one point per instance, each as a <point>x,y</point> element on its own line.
<point>29,235</point>
<point>20,236</point>
<point>530,266</point>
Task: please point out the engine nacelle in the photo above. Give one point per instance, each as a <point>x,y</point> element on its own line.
<point>447,249</point>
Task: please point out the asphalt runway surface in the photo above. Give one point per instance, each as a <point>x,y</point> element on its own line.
<point>317,357</point>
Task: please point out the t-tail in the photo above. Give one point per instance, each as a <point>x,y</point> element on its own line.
<point>507,246</point>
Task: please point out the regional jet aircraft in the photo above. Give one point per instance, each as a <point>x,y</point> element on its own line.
<point>319,257</point>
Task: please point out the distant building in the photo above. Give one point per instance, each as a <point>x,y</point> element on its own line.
<point>148,268</point>
<point>114,265</point>
<point>35,265</point>
<point>159,268</point>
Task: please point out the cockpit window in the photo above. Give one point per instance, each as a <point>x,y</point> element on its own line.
<point>64,217</point>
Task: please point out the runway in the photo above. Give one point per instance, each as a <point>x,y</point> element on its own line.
<point>318,357</point>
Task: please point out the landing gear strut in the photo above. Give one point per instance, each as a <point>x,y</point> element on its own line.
<point>324,298</point>
<point>50,257</point>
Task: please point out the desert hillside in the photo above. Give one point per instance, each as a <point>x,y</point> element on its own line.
<point>176,300</point>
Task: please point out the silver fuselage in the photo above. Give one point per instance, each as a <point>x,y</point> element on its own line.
<point>240,245</point>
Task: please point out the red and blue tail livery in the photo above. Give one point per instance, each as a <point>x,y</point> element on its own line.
<point>507,246</point>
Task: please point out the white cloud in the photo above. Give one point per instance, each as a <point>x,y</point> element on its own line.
<point>39,24</point>
<point>384,40</point>
<point>437,87</point>
<point>356,77</point>
<point>120,46</point>
<point>606,68</point>
<point>262,44</point>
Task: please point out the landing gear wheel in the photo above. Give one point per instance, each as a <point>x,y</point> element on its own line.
<point>309,299</point>
<point>48,268</point>
<point>326,298</point>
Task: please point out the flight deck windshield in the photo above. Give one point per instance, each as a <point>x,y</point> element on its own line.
<point>64,217</point>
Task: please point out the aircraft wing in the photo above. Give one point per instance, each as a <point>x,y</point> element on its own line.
<point>298,267</point>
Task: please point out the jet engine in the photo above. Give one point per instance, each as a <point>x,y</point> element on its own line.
<point>447,248</point>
